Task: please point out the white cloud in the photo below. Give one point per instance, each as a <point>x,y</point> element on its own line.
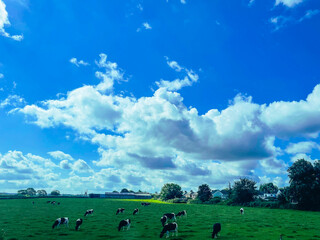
<point>280,21</point>
<point>140,7</point>
<point>4,21</point>
<point>64,164</point>
<point>296,118</point>
<point>146,25</point>
<point>302,147</point>
<point>190,77</point>
<point>78,63</point>
<point>1,75</point>
<point>274,166</point>
<point>309,14</point>
<point>278,181</point>
<point>156,138</point>
<point>14,165</point>
<point>288,3</point>
<point>13,101</point>
<point>60,155</point>
<point>81,166</point>
<point>301,156</point>
<point>112,73</point>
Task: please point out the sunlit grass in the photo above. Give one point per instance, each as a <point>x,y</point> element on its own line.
<point>22,220</point>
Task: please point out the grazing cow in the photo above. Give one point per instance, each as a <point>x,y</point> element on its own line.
<point>170,216</point>
<point>78,223</point>
<point>120,210</point>
<point>241,211</point>
<point>163,220</point>
<point>124,223</point>
<point>182,213</point>
<point>168,228</point>
<point>136,211</point>
<point>216,230</point>
<point>145,203</point>
<point>88,212</point>
<point>32,203</point>
<point>53,202</point>
<point>58,203</point>
<point>59,221</point>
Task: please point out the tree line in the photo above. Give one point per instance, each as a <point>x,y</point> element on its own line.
<point>31,192</point>
<point>302,193</point>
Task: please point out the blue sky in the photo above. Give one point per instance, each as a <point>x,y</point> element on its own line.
<point>103,95</point>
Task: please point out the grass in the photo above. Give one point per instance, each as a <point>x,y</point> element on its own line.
<point>22,220</point>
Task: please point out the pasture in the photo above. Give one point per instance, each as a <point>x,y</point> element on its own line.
<point>20,219</point>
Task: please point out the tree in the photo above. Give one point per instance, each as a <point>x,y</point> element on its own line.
<point>31,191</point>
<point>243,191</point>
<point>304,183</point>
<point>55,193</point>
<point>22,192</point>
<point>42,192</point>
<point>204,193</point>
<point>124,190</point>
<point>170,191</point>
<point>268,188</point>
<point>284,197</point>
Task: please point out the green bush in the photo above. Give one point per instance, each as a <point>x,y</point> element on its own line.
<point>178,200</point>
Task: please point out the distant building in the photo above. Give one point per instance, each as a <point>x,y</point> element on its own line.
<point>190,194</point>
<point>218,193</point>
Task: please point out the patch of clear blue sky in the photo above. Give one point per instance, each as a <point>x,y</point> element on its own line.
<point>234,45</point>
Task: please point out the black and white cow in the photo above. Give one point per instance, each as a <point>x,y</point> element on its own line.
<point>60,221</point>
<point>163,220</point>
<point>182,213</point>
<point>78,223</point>
<point>136,211</point>
<point>241,211</point>
<point>170,216</point>
<point>88,212</point>
<point>169,228</point>
<point>145,203</point>
<point>216,230</point>
<point>53,202</point>
<point>124,223</point>
<point>120,210</point>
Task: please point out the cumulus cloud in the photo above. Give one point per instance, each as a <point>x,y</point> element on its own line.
<point>159,137</point>
<point>15,165</point>
<point>296,118</point>
<point>13,101</point>
<point>4,21</point>
<point>302,147</point>
<point>301,156</point>
<point>64,164</point>
<point>274,166</point>
<point>78,63</point>
<point>1,75</point>
<point>60,155</point>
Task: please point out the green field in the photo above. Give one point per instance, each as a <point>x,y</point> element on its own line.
<point>19,219</point>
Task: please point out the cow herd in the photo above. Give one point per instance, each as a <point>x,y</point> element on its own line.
<point>168,221</point>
